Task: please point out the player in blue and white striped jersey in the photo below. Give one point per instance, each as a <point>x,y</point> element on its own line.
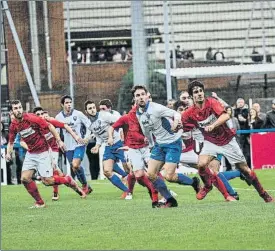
<point>161,123</point>
<point>75,152</point>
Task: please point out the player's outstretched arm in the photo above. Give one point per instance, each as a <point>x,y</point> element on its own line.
<point>77,138</point>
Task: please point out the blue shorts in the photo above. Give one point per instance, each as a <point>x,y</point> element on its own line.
<point>169,153</point>
<point>77,153</point>
<point>111,152</point>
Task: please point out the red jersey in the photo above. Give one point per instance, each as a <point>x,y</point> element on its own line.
<point>134,137</point>
<point>31,130</point>
<point>205,116</point>
<point>188,143</point>
<point>49,136</point>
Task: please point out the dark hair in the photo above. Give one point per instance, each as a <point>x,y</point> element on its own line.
<point>106,102</point>
<point>177,104</point>
<point>37,108</point>
<point>133,102</point>
<point>88,102</point>
<point>14,102</point>
<point>62,100</point>
<point>136,87</point>
<point>194,83</point>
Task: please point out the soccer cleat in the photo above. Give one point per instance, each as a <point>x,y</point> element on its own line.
<point>171,202</point>
<point>196,184</point>
<point>73,185</point>
<point>37,205</point>
<point>230,198</point>
<point>55,196</point>
<point>124,194</point>
<point>129,196</point>
<point>203,192</point>
<point>155,204</point>
<point>87,189</point>
<point>162,201</point>
<point>267,198</point>
<point>236,196</point>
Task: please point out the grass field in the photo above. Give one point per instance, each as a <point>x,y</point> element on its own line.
<point>104,221</point>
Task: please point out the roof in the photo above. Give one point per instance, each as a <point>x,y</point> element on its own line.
<point>219,71</point>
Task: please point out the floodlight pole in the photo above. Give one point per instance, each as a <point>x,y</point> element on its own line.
<point>173,35</point>
<point>21,54</point>
<point>167,49</point>
<point>70,52</point>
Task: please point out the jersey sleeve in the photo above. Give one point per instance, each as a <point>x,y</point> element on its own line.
<point>120,122</point>
<point>84,120</point>
<point>187,123</point>
<point>37,120</point>
<point>217,107</point>
<point>163,111</point>
<point>56,123</point>
<point>12,133</point>
<point>109,118</point>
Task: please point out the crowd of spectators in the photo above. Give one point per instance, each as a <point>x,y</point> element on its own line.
<point>94,55</point>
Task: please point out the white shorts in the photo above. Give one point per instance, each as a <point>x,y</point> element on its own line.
<point>41,162</point>
<point>54,158</point>
<point>138,157</point>
<point>231,151</point>
<point>189,157</point>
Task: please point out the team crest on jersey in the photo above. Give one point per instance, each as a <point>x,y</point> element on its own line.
<point>27,132</point>
<point>210,120</point>
<point>74,118</point>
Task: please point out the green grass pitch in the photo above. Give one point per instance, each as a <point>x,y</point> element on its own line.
<point>104,221</point>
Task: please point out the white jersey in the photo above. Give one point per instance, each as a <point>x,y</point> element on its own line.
<point>157,119</point>
<point>100,125</point>
<point>76,120</point>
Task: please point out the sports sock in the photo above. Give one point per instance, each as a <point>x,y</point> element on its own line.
<point>80,173</point>
<point>184,180</point>
<point>228,187</point>
<point>144,181</point>
<point>206,175</point>
<point>219,184</point>
<point>229,175</point>
<point>160,185</point>
<point>118,183</point>
<point>131,180</point>
<point>33,191</point>
<point>58,180</point>
<point>55,187</point>
<point>256,183</point>
<point>119,171</point>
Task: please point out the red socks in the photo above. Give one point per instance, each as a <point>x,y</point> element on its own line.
<point>131,180</point>
<point>58,180</point>
<point>33,191</point>
<point>144,181</point>
<point>256,183</point>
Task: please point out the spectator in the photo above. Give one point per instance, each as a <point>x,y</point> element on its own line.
<point>270,117</point>
<point>184,97</point>
<point>93,160</point>
<point>268,57</point>
<point>209,54</point>
<point>241,113</point>
<point>218,56</point>
<point>257,107</point>
<point>123,54</point>
<point>178,53</point>
<point>88,56</point>
<point>79,55</point>
<point>190,54</point>
<point>118,56</point>
<point>256,57</point>
<point>254,120</point>
<point>94,56</point>
<point>170,103</point>
<point>129,55</point>
<point>233,122</point>
<point>102,55</point>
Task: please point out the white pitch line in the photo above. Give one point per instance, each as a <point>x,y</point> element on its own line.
<point>174,185</point>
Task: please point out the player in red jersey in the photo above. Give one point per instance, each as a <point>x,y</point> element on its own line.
<point>55,148</point>
<point>31,127</point>
<point>138,150</point>
<point>209,116</point>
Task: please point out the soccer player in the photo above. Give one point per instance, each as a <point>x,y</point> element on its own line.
<point>75,152</point>
<point>209,116</point>
<point>138,151</point>
<point>162,123</point>
<point>31,129</point>
<point>54,146</point>
<point>100,123</point>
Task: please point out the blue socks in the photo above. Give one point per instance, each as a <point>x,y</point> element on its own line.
<point>160,185</point>
<point>118,183</point>
<point>229,175</point>
<point>80,174</point>
<point>119,171</point>
<point>228,187</point>
<point>184,180</point>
